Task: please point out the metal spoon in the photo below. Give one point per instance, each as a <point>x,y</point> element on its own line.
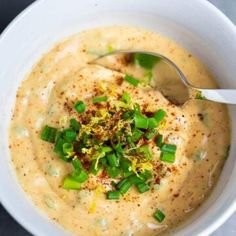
<point>166,77</point>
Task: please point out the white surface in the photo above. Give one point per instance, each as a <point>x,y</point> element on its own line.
<point>197,25</point>
<point>229,9</point>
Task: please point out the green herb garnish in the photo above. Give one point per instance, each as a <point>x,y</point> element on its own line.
<point>49,134</point>
<point>113,195</point>
<point>112,140</point>
<point>100,99</point>
<point>159,215</point>
<point>80,107</point>
<point>131,80</point>
<point>146,61</point>
<point>70,183</point>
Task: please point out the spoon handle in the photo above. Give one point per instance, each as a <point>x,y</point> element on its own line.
<point>227,96</point>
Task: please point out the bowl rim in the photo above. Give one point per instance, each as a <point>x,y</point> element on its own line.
<point>29,226</point>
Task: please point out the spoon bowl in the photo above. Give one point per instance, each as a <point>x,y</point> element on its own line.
<point>163,74</point>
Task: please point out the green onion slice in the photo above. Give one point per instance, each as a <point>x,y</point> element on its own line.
<point>112,160</point>
<point>159,140</point>
<point>171,148</point>
<point>168,157</point>
<point>80,107</point>
<point>146,61</point>
<point>48,134</point>
<point>113,195</point>
<point>146,151</point>
<point>159,115</point>
<point>71,183</point>
<point>126,98</point>
<point>143,187</point>
<point>141,122</point>
<point>159,215</point>
<point>75,125</point>
<point>134,179</point>
<point>69,135</point>
<point>131,80</point>
<point>94,169</point>
<point>113,172</point>
<point>105,149</point>
<point>67,148</point>
<point>128,115</point>
<point>100,99</point>
<point>76,163</point>
<point>124,186</point>
<point>80,175</point>
<point>150,134</point>
<point>136,135</point>
<point>152,123</point>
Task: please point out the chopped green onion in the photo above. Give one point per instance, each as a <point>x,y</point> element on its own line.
<point>150,134</point>
<point>95,141</point>
<point>127,174</point>
<point>124,186</point>
<point>131,80</point>
<point>103,161</point>
<point>136,135</point>
<point>113,160</point>
<point>113,172</point>
<point>159,115</point>
<point>152,123</point>
<point>125,165</point>
<point>171,148</point>
<point>146,61</point>
<point>67,148</point>
<point>126,98</point>
<point>75,125</point>
<point>143,187</point>
<point>128,115</point>
<point>113,195</point>
<point>76,163</point>
<point>141,122</point>
<point>105,149</point>
<point>58,146</point>
<point>113,184</point>
<point>59,135</point>
<point>64,158</point>
<point>146,151</point>
<point>134,179</point>
<point>70,183</point>
<point>93,168</point>
<point>168,157</point>
<point>146,175</point>
<point>100,99</point>
<point>84,138</point>
<point>130,141</point>
<point>48,134</point>
<point>119,150</point>
<point>80,107</point>
<point>159,140</point>
<point>137,110</point>
<point>121,183</point>
<point>80,175</point>
<point>69,135</point>
<point>159,215</point>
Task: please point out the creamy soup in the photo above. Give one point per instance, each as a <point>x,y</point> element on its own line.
<point>181,179</point>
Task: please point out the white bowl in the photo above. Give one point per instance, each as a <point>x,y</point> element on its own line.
<point>195,24</point>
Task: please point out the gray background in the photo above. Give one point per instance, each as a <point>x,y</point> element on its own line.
<point>8,10</point>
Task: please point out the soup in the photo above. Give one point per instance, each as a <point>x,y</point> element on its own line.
<point>106,154</point>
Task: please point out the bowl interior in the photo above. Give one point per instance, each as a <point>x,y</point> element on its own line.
<point>22,44</point>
